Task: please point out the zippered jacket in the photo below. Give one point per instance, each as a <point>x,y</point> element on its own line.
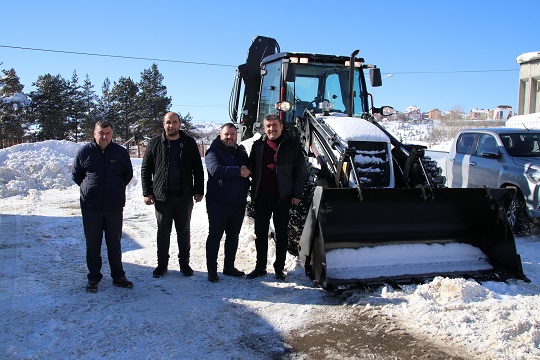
<point>102,176</point>
<point>291,169</point>
<point>225,185</point>
<point>155,167</point>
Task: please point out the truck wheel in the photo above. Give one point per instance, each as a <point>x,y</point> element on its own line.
<point>519,220</point>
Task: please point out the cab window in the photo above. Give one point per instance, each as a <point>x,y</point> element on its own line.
<point>487,144</point>
<point>465,144</point>
<point>270,90</point>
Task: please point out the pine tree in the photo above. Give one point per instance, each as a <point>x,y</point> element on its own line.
<point>76,107</point>
<point>13,109</point>
<point>90,111</point>
<point>153,99</point>
<point>125,105</point>
<point>188,127</point>
<point>50,107</point>
<point>105,104</point>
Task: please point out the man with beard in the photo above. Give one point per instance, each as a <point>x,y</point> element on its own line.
<point>172,177</point>
<point>278,168</point>
<point>226,198</point>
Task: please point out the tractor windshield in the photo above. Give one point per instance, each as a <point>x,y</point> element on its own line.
<point>317,83</point>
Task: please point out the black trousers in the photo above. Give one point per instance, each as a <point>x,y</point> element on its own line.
<point>177,209</point>
<point>95,224</point>
<point>223,219</point>
<point>265,208</point>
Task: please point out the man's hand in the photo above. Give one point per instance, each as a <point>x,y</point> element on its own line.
<point>244,172</point>
<point>149,200</point>
<point>197,197</point>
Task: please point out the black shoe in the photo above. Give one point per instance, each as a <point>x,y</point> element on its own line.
<point>213,277</point>
<point>186,270</point>
<point>123,282</point>
<point>233,272</point>
<point>280,275</point>
<point>256,273</point>
<point>159,271</point>
<point>92,286</point>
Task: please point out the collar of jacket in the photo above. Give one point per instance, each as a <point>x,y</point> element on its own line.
<point>284,136</point>
<point>96,145</point>
<point>164,138</point>
<point>218,143</point>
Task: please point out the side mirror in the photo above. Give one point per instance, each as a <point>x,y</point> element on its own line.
<point>490,154</point>
<point>375,77</point>
<point>384,110</point>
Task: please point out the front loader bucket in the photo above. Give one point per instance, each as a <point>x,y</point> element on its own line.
<point>397,236</point>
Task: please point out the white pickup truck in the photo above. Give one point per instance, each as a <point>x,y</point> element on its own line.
<point>497,157</point>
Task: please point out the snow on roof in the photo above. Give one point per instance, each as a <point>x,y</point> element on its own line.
<point>528,57</point>
<point>531,121</point>
<point>350,129</point>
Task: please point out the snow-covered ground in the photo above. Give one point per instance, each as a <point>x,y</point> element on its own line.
<point>47,314</point>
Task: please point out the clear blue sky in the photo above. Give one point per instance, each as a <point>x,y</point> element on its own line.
<point>443,54</point>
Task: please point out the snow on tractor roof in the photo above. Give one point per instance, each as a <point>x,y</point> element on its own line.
<point>350,129</point>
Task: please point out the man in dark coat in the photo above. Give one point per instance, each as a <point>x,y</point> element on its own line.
<point>103,169</point>
<point>172,177</point>
<point>226,194</point>
<point>278,167</point>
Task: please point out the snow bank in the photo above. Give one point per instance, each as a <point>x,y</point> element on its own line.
<point>40,166</point>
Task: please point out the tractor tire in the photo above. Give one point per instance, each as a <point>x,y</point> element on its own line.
<point>434,172</point>
<point>250,208</point>
<point>298,213</point>
<point>519,220</point>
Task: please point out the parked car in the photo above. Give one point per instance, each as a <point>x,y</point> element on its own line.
<point>498,157</point>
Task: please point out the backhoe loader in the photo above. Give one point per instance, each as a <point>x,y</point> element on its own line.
<point>375,211</point>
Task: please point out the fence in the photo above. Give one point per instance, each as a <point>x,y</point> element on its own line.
<point>137,151</point>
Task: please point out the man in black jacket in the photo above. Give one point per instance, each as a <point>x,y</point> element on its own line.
<point>172,176</point>
<point>278,168</point>
<point>103,169</point>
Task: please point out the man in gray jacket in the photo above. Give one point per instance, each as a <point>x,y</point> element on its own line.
<point>172,177</point>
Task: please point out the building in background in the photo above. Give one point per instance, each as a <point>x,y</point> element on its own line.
<point>528,93</point>
<point>434,114</point>
<point>412,113</point>
<point>501,112</point>
<point>479,114</point>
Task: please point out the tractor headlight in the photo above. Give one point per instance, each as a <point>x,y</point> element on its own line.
<point>283,106</point>
<point>533,174</point>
